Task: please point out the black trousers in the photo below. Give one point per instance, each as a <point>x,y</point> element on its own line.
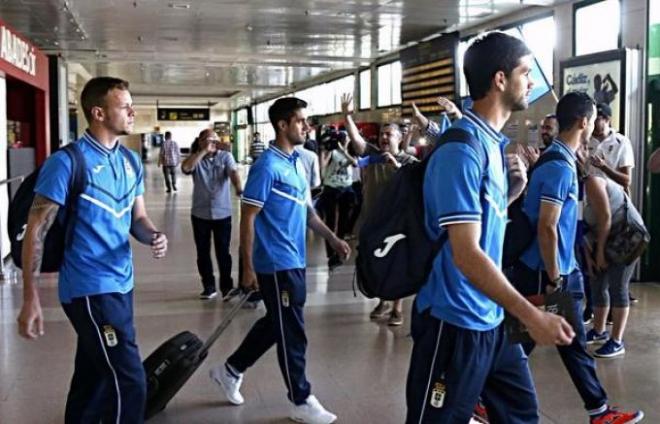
<point>220,229</point>
<point>169,172</point>
<point>335,200</point>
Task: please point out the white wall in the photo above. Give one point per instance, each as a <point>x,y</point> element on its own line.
<point>4,191</point>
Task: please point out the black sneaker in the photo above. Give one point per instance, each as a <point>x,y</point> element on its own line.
<point>632,299</point>
<point>208,293</point>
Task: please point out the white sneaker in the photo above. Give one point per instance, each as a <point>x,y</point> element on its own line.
<point>228,383</point>
<point>312,412</point>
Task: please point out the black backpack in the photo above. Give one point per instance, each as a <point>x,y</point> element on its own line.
<point>395,254</point>
<point>59,235</point>
<point>520,233</point>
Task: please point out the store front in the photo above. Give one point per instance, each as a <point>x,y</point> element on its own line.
<point>24,121</point>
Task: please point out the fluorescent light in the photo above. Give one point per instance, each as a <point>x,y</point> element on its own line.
<point>181,6</point>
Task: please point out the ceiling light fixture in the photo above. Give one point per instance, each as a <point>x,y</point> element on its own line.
<point>180,6</point>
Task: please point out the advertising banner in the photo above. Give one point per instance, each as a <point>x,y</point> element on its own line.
<point>600,80</point>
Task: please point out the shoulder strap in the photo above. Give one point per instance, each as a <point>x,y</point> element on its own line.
<point>77,183</point>
<point>78,178</point>
<point>459,135</point>
<point>548,157</point>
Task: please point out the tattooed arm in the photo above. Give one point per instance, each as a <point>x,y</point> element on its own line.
<point>42,215</point>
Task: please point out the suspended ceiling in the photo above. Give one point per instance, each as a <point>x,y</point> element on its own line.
<point>216,50</point>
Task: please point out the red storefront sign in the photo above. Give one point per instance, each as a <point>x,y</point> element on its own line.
<point>21,60</point>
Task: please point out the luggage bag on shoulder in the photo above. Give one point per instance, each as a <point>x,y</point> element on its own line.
<point>169,367</point>
<point>520,233</point>
<point>395,254</point>
<point>59,235</point>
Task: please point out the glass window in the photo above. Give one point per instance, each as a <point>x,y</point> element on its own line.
<point>339,87</point>
<point>389,84</point>
<point>384,82</point>
<point>324,99</point>
<point>365,89</point>
<point>596,35</point>
<point>462,48</point>
<point>540,37</point>
<point>396,83</point>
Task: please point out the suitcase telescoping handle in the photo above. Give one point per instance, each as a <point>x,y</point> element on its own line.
<point>224,324</point>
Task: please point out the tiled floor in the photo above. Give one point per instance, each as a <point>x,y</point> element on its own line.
<point>357,367</point>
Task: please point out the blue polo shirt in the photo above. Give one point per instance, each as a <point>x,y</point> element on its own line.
<point>99,260</point>
<point>554,182</point>
<point>456,191</point>
<point>278,185</point>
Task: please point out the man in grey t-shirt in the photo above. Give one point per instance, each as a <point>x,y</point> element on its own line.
<point>212,170</point>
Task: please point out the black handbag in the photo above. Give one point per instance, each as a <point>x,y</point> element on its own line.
<point>628,238</point>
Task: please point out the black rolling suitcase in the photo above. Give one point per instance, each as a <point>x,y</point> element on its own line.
<point>172,363</point>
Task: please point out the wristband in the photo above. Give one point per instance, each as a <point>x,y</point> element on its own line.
<point>556,282</point>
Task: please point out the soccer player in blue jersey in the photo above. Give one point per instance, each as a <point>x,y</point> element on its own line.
<point>96,277</point>
<point>276,210</point>
<point>461,350</point>
<point>549,264</point>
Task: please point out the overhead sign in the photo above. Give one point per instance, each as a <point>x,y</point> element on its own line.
<point>183,114</point>
<point>17,52</point>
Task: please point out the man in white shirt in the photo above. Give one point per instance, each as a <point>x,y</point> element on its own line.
<point>610,151</point>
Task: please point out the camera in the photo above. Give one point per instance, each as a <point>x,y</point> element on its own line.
<point>331,138</point>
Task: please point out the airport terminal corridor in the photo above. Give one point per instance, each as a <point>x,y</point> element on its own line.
<point>357,366</point>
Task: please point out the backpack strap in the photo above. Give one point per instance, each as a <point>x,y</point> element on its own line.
<point>459,135</point>
<point>548,157</point>
<point>77,183</point>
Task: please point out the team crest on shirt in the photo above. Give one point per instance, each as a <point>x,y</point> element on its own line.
<point>128,168</point>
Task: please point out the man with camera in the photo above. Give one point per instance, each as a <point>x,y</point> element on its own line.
<point>337,197</point>
<point>379,163</point>
<point>212,168</point>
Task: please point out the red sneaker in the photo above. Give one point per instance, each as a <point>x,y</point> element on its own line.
<point>612,416</point>
<point>479,414</point>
